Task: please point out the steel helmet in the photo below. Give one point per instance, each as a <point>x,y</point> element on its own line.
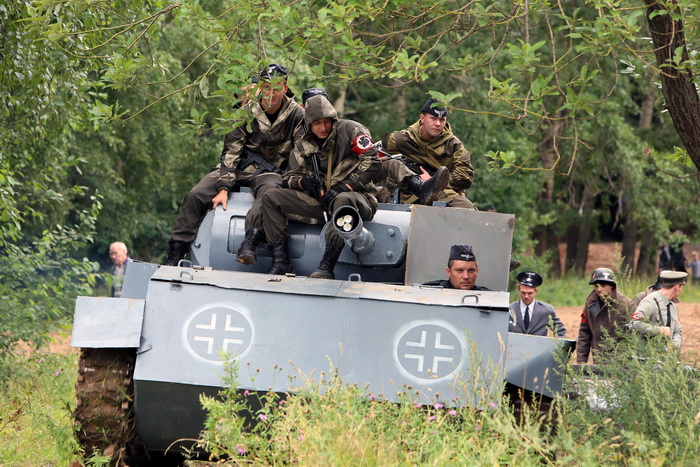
<point>603,275</point>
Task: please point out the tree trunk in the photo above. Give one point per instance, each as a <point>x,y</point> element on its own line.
<point>547,241</point>
<point>629,240</point>
<point>584,233</point>
<point>682,100</point>
<point>632,224</point>
<point>646,264</point>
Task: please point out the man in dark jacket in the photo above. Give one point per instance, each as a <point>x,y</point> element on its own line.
<point>431,150</point>
<point>274,117</point>
<point>605,313</point>
<point>461,270</point>
<point>347,161</point>
<point>531,316</point>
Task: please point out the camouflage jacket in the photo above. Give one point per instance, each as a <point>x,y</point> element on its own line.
<point>335,155</point>
<point>273,140</point>
<point>445,149</point>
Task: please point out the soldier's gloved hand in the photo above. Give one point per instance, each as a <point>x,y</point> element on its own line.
<point>310,185</point>
<point>327,199</point>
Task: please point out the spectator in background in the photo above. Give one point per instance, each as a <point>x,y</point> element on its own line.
<point>665,257</point>
<point>120,257</point>
<point>694,266</point>
<point>677,258</point>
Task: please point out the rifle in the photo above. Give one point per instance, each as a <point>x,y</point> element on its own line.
<point>319,179</point>
<point>252,157</point>
<point>385,156</point>
<point>416,167</point>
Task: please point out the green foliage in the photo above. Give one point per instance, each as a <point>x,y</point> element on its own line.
<point>36,426</point>
<point>644,406</point>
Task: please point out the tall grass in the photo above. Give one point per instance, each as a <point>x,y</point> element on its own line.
<point>646,413</point>
<point>36,426</point>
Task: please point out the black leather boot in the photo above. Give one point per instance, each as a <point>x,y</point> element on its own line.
<point>428,191</point>
<point>176,252</point>
<point>327,264</point>
<point>246,253</point>
<point>280,259</point>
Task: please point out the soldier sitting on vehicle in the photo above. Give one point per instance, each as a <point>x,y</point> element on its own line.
<point>656,314</point>
<point>332,165</point>
<point>254,158</point>
<point>429,149</point>
<point>462,270</point>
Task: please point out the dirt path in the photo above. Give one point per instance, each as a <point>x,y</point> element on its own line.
<point>689,317</point>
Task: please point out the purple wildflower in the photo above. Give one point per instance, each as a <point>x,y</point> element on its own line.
<point>262,416</point>
<point>439,405</point>
<point>41,360</point>
<point>240,449</point>
<point>492,405</point>
<point>432,417</point>
<point>58,372</point>
<point>246,393</point>
<point>452,412</point>
<point>478,427</point>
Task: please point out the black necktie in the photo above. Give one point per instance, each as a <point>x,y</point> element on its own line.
<point>527,317</point>
<point>668,314</point>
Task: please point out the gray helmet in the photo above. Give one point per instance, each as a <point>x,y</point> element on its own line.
<point>604,275</point>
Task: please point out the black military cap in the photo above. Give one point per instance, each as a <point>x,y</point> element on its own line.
<point>462,253</point>
<point>673,277</point>
<point>312,92</point>
<point>437,110</point>
<point>529,278</point>
<point>274,70</point>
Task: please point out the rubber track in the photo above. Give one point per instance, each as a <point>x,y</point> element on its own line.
<point>104,411</point>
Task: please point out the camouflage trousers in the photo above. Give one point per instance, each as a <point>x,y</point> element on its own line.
<point>197,202</point>
<point>280,205</point>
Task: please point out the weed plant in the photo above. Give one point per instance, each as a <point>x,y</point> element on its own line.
<point>642,409</point>
<point>36,426</point>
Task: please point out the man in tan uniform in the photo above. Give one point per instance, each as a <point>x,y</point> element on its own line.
<point>430,149</point>
<point>657,314</point>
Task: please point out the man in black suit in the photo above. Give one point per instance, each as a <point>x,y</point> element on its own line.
<point>530,316</point>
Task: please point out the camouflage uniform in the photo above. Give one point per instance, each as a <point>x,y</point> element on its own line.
<point>347,167</point>
<point>444,150</point>
<point>652,313</point>
<point>272,140</point>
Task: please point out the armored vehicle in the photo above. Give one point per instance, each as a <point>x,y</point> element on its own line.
<point>146,357</point>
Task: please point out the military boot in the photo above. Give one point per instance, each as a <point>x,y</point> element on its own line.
<point>280,259</point>
<point>428,191</point>
<point>246,253</point>
<point>176,251</point>
<point>327,264</point>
